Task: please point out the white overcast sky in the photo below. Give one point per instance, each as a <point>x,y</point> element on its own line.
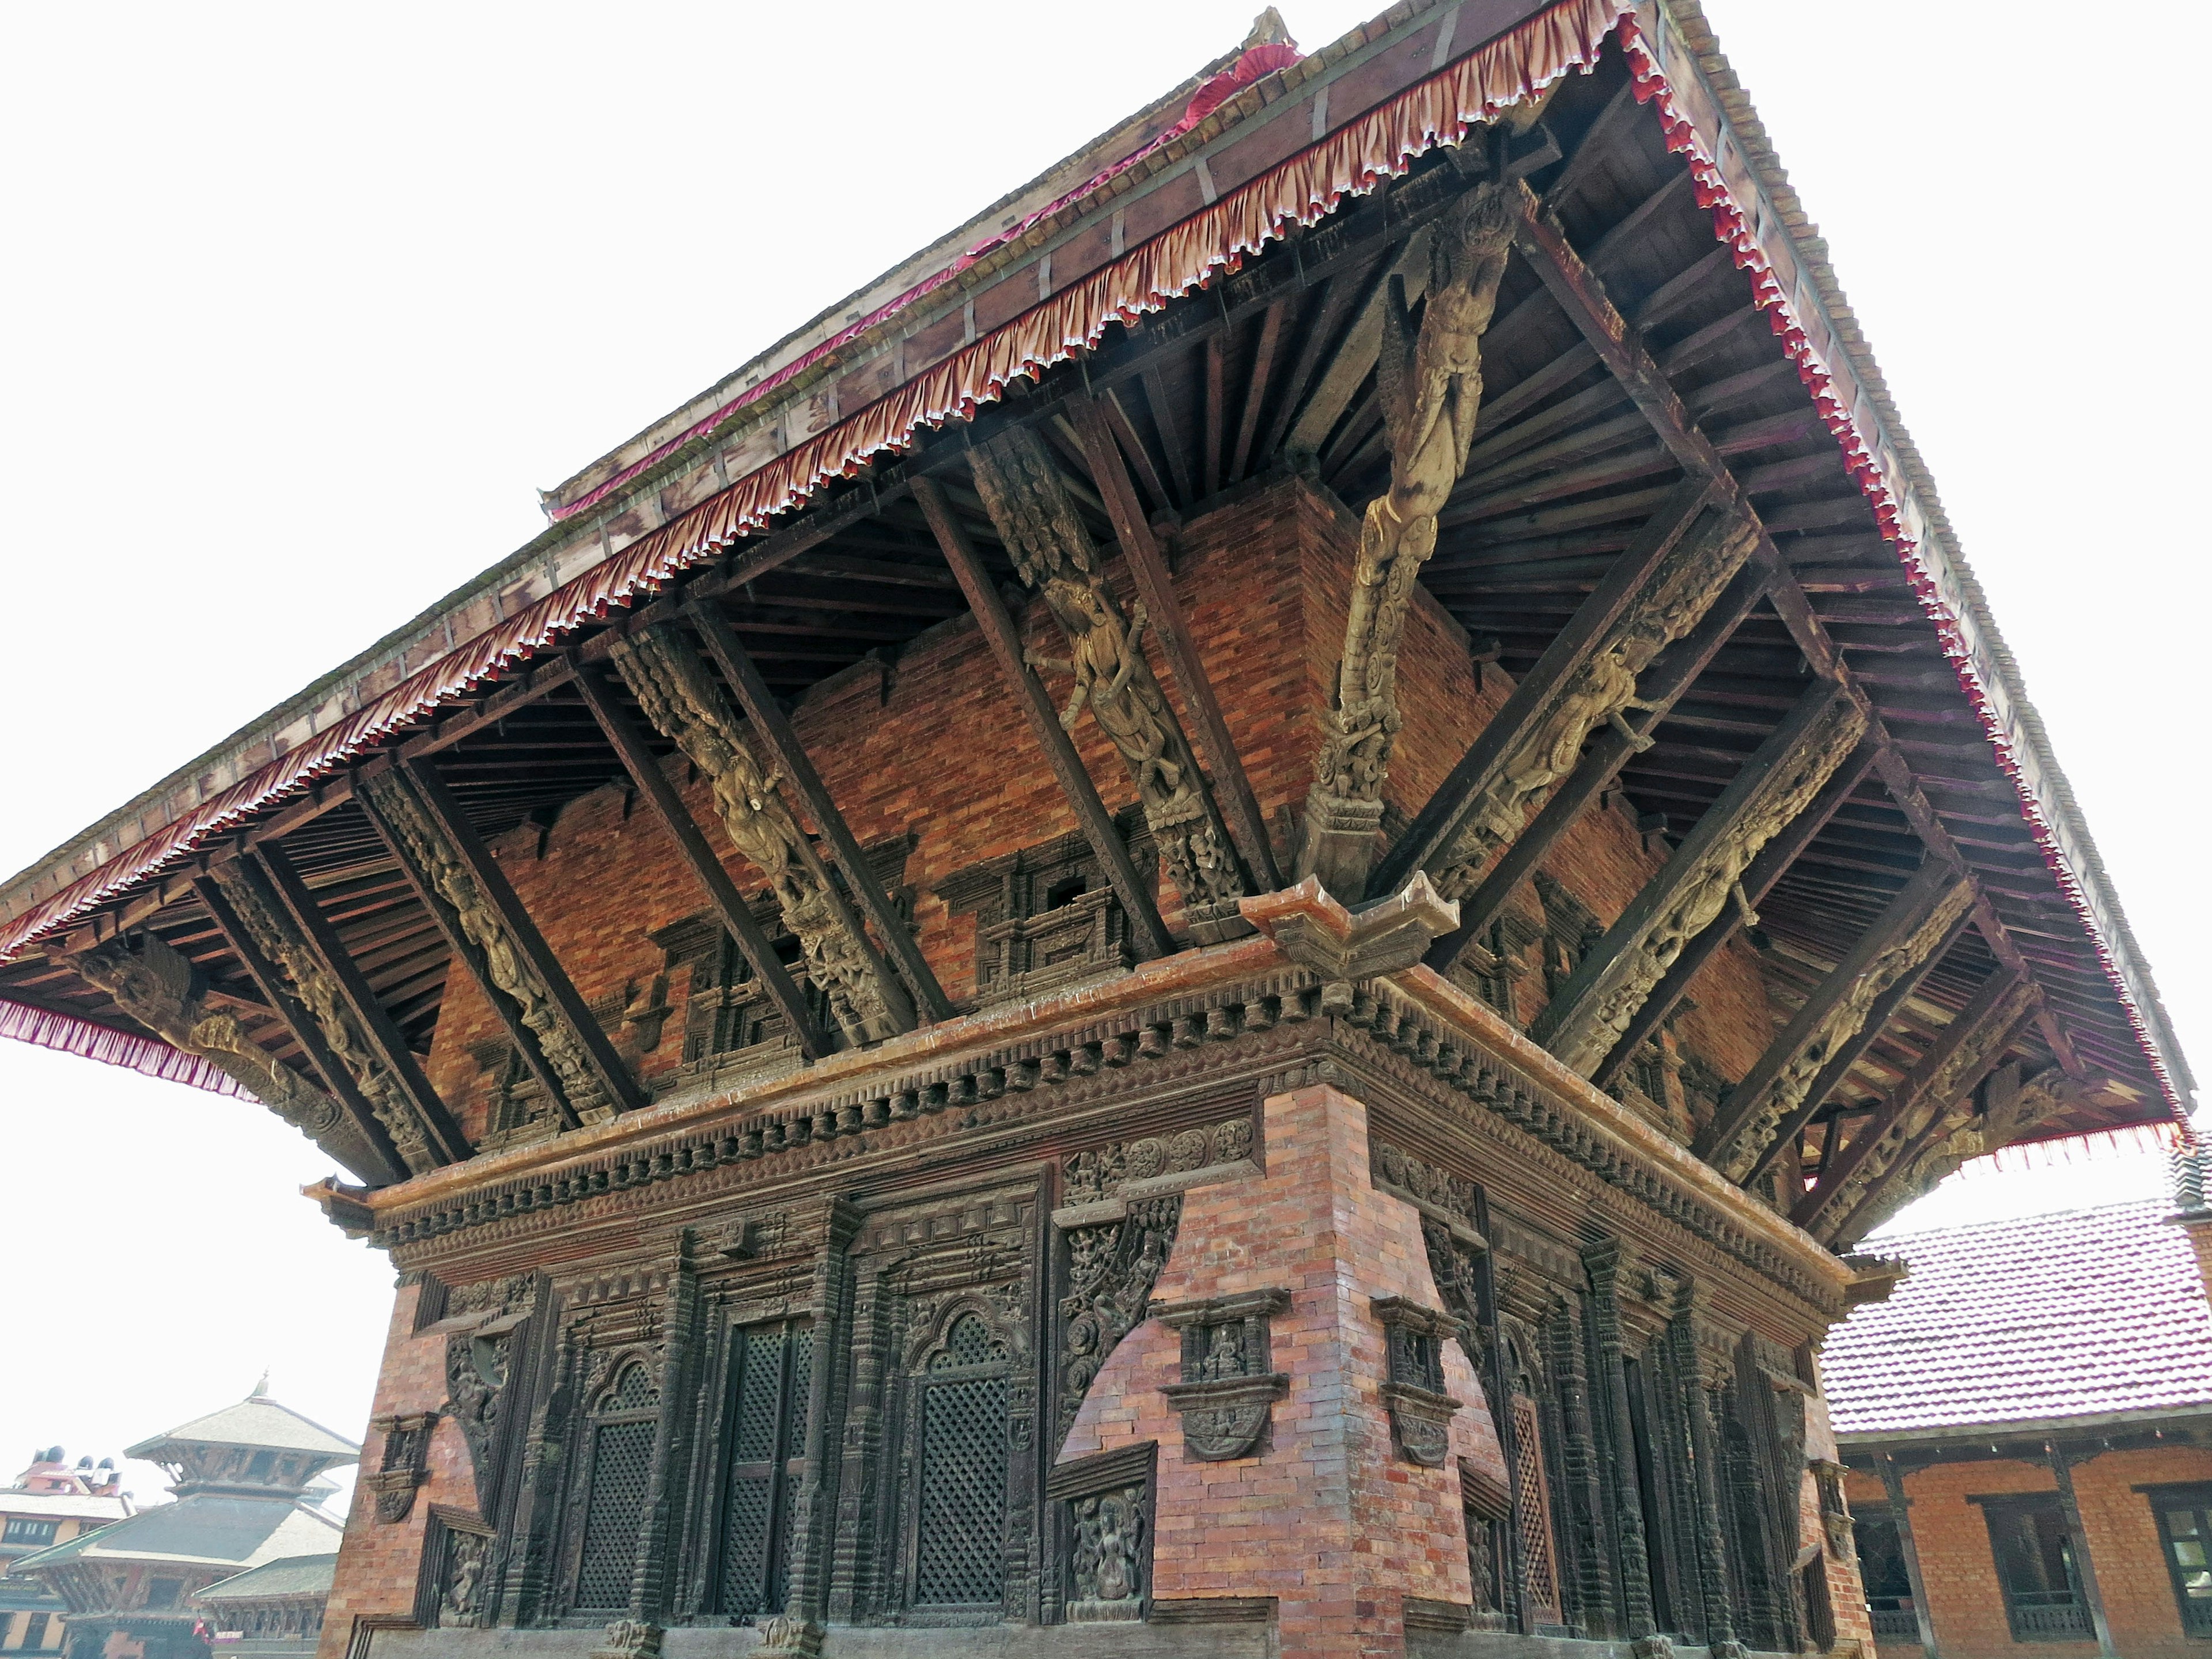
<point>303,302</point>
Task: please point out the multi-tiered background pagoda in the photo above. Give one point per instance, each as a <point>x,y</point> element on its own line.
<point>1194,931</point>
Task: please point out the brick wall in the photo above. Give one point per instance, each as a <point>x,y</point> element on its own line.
<point>934,746</point>
<point>1326,1518</point>
<point>1964,1598</point>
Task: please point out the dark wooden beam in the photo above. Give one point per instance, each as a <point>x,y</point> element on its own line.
<point>637,757</point>
<point>1431,837</point>
<point>1256,384</point>
<point>1898,920</point>
<point>768,719</point>
<point>1758,879</point>
<point>1171,444</point>
<point>1608,751</point>
<point>269,978</point>
<point>272,863</point>
<point>1215,416</point>
<point>1987,1004</point>
<point>1150,934</point>
<point>1850,1051</point>
<point>1240,808</point>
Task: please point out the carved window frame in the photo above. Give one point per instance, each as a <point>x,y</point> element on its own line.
<point>1536,1540</point>
<point>921,1376</point>
<point>784,1470</point>
<point>602,1413</point>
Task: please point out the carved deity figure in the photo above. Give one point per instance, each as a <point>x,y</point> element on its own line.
<point>1627,970</point>
<point>159,989</point>
<point>1429,379</point>
<point>438,867</point>
<point>1036,517</point>
<point>316,989</point>
<point>671,684</point>
<point>1224,1354</point>
<point>1600,692</point>
<point>1109,1534</point>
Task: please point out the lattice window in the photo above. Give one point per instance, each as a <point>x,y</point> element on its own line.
<point>623,1426</point>
<point>961,1518</point>
<point>771,1366</point>
<point>1540,1573</point>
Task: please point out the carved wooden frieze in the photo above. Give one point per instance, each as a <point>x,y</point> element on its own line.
<point>1429,377</point>
<point>1420,1411</point>
<point>1036,517</point>
<point>441,873</point>
<point>162,991</point>
<point>681,699</point>
<point>1229,1380</point>
<point>1112,1267</point>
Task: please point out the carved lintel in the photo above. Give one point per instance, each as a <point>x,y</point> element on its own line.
<point>1318,932</point>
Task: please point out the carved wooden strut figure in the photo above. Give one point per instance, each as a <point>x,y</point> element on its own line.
<point>442,871</point>
<point>671,684</point>
<point>1430,381</point>
<point>1031,510</point>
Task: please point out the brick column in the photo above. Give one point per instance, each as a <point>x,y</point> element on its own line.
<point>1329,1518</point>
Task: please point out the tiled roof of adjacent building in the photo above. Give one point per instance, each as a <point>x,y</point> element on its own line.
<point>295,1574</point>
<point>257,1421</point>
<point>239,1531</point>
<point>2078,1315</point>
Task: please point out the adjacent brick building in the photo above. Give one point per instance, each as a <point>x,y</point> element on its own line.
<point>2027,1425</point>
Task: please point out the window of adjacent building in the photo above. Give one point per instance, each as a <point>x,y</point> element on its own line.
<point>35,1630</point>
<point>960,1514</point>
<point>771,1367</point>
<point>164,1592</point>
<point>24,1531</point>
<point>2034,1557</point>
<point>2185,1525</point>
<point>1882,1570</point>
<point>624,1419</point>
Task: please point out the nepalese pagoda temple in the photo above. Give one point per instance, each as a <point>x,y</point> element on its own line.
<point>1199,930</point>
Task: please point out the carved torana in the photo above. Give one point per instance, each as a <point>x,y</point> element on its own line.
<point>1429,379</point>
<point>1036,517</point>
<point>670,682</point>
<point>441,873</point>
<point>1228,1379</point>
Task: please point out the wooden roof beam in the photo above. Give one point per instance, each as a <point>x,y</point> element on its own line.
<point>1544,241</point>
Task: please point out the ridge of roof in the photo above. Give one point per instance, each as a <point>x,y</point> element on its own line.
<point>257,1421</point>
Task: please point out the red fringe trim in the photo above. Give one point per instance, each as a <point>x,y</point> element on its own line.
<point>44,1028</point>
<point>1732,226</point>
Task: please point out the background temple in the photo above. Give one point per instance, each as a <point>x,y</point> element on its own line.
<point>1197,930</point>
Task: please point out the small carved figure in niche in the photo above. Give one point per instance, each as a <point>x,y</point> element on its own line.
<point>1108,1560</point>
<point>1224,1354</point>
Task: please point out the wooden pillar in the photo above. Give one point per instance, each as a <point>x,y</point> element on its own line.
<point>1901,1507</point>
<point>2061,1466</point>
<point>737,916</point>
<point>1602,1261</point>
<point>1702,1410</point>
<point>681,1316</point>
<point>1149,933</point>
<point>814,1505</point>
